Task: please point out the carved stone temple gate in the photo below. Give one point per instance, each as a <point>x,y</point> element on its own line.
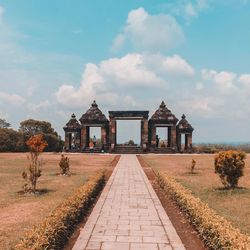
<point>77,136</point>
<point>128,115</point>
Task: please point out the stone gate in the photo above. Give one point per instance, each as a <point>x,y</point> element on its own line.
<point>77,135</point>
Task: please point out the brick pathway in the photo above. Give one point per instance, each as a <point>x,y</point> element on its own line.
<point>128,214</point>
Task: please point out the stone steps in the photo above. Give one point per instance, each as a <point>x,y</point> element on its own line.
<point>163,151</point>
<point>128,150</point>
<point>95,150</point>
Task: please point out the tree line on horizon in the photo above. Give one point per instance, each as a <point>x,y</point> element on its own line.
<point>15,140</point>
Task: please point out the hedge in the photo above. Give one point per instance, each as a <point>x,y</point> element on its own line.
<point>216,231</point>
<point>55,230</point>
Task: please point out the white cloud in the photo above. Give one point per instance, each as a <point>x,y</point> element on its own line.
<point>92,86</point>
<point>115,78</point>
<point>203,106</point>
<point>129,70</point>
<point>192,10</point>
<point>177,65</point>
<point>110,77</point>
<point>188,9</point>
<point>117,43</point>
<point>245,79</point>
<point>130,101</point>
<point>199,86</point>
<point>223,80</point>
<point>11,98</point>
<point>41,105</point>
<point>135,80</point>
<point>149,32</point>
<point>31,89</point>
<point>208,74</point>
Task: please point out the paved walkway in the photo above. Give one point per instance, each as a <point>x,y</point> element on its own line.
<point>128,214</point>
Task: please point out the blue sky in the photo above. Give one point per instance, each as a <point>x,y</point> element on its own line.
<point>57,56</point>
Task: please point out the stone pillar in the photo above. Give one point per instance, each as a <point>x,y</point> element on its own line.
<point>78,139</point>
<point>144,133</point>
<point>112,133</point>
<point>83,138</point>
<point>169,129</point>
<point>115,133</point>
<point>173,136</point>
<point>66,141</point>
<point>104,135</point>
<point>87,136</point>
<point>70,140</point>
<point>153,136</point>
<point>141,142</point>
<point>179,141</point>
<point>186,141</point>
<point>189,141</point>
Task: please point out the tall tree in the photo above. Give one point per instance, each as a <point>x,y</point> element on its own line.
<point>11,140</point>
<point>4,123</point>
<point>32,127</point>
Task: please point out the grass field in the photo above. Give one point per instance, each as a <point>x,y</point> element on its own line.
<point>233,205</point>
<point>19,213</point>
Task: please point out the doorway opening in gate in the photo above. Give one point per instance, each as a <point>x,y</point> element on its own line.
<point>163,134</point>
<point>95,136</point>
<point>128,132</point>
<point>183,141</point>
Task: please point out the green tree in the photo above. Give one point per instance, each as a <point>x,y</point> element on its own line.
<point>4,123</point>
<point>11,140</point>
<point>32,127</point>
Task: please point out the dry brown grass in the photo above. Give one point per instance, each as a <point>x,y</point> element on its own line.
<point>234,205</point>
<point>19,213</point>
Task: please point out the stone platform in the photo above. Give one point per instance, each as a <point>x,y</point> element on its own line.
<point>128,214</point>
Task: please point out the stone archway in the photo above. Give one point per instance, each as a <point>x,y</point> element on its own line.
<point>72,135</point>
<point>94,118</point>
<point>185,128</point>
<point>128,115</point>
<point>162,118</point>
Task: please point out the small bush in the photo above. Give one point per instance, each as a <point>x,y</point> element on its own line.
<point>193,163</point>
<point>36,145</point>
<point>229,165</point>
<point>64,166</point>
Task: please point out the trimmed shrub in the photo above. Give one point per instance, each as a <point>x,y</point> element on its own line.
<point>193,163</point>
<point>55,230</point>
<point>216,231</point>
<point>64,166</point>
<point>229,165</point>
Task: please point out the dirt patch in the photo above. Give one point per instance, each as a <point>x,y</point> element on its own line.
<point>185,230</point>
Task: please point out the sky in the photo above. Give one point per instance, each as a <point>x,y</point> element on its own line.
<point>56,57</point>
